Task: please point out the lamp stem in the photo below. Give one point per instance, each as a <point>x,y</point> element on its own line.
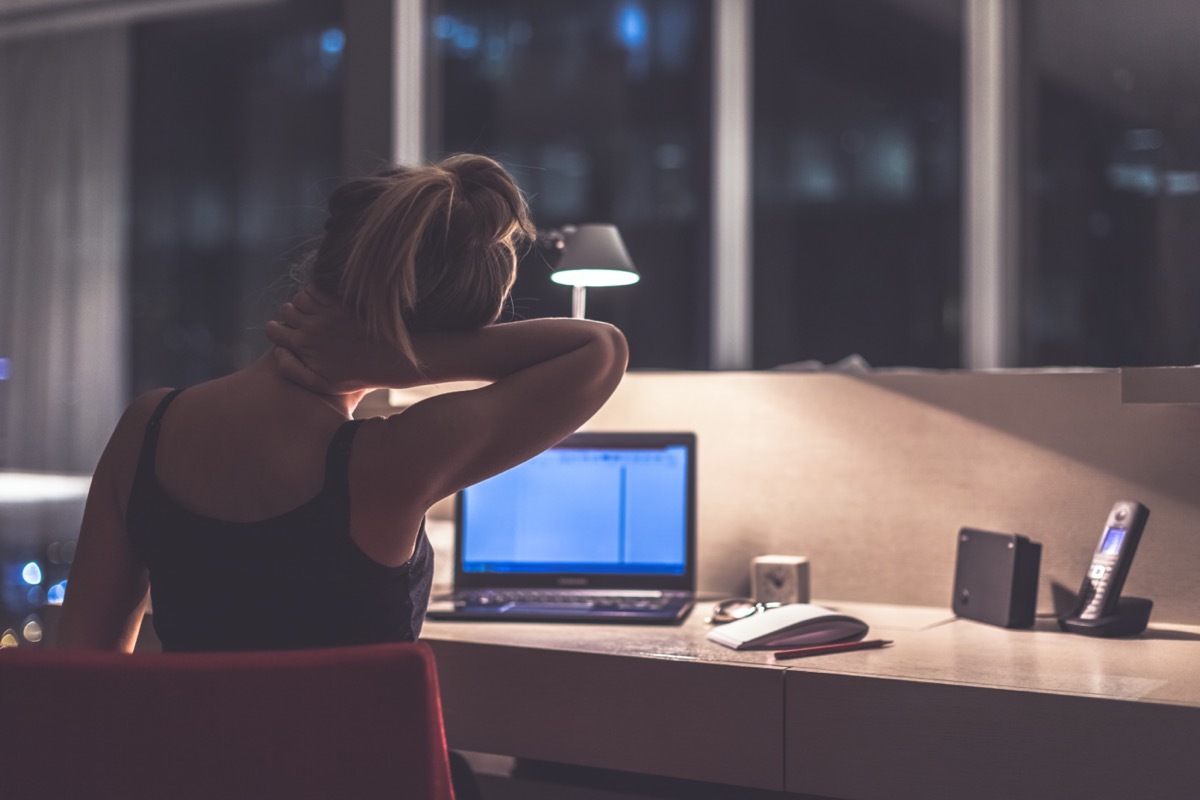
<point>578,301</point>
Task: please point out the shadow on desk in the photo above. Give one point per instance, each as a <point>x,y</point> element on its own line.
<point>539,780</point>
<point>1048,623</point>
<point>1167,634</point>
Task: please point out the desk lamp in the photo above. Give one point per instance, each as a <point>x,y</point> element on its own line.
<point>589,255</point>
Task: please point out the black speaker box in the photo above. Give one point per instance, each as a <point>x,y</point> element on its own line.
<point>996,578</point>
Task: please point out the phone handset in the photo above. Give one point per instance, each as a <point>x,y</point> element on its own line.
<point>1101,590</point>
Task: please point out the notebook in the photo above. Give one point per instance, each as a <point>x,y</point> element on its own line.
<point>599,528</point>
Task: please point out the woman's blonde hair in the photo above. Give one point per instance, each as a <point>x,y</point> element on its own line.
<point>420,249</point>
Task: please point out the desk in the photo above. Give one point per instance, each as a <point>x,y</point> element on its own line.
<point>657,700</point>
<point>955,709</point>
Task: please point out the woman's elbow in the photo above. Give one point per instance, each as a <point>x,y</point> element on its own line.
<point>614,356</point>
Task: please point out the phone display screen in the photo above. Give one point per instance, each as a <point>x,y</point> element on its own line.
<point>1111,544</point>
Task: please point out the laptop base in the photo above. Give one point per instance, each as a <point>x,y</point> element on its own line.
<point>442,610</point>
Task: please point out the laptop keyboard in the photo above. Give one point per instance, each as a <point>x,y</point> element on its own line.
<point>577,599</point>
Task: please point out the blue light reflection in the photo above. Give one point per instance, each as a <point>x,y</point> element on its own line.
<point>467,38</point>
<point>32,573</point>
<point>632,25</point>
<point>333,41</point>
<point>445,26</point>
<point>56,593</point>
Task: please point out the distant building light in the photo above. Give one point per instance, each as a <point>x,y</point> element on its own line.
<point>445,26</point>
<point>333,41</point>
<point>1183,182</point>
<point>670,156</point>
<point>1138,178</point>
<point>1144,138</point>
<point>56,593</point>
<point>632,26</point>
<point>32,573</point>
<point>467,38</point>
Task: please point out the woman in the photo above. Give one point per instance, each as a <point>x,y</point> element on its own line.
<point>251,508</point>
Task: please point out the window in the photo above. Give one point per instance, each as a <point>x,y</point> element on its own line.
<point>1112,197</point>
<point>236,144</point>
<point>856,182</point>
<point>601,110</point>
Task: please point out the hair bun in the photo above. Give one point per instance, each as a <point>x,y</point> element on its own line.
<point>494,199</point>
<point>428,248</point>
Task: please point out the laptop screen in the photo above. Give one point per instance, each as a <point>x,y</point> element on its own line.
<point>599,509</point>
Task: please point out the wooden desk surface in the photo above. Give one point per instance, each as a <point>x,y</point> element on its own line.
<point>955,707</point>
<point>930,645</point>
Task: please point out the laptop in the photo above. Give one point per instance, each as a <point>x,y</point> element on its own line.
<point>599,528</point>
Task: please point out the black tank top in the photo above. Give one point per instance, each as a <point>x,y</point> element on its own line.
<point>293,581</point>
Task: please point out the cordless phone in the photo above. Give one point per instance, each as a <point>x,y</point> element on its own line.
<point>1101,590</point>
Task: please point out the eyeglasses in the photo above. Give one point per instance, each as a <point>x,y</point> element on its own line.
<point>736,608</point>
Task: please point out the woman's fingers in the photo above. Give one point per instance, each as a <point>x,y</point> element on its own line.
<point>296,371</point>
<point>317,343</point>
<point>290,315</point>
<point>309,301</point>
<point>283,336</point>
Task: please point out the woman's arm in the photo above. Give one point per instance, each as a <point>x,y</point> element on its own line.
<point>108,589</point>
<point>547,376</point>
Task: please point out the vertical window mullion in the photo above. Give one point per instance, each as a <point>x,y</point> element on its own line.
<point>991,184</point>
<point>730,328</point>
<point>408,81</point>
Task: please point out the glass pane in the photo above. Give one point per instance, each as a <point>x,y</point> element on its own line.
<point>601,109</point>
<point>857,113</point>
<point>236,143</point>
<point>1112,205</point>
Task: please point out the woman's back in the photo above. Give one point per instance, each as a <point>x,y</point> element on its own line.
<point>244,574</point>
<point>245,447</point>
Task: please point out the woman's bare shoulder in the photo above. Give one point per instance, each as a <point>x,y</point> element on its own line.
<point>120,456</point>
<point>387,493</point>
<point>139,411</point>
<point>390,467</point>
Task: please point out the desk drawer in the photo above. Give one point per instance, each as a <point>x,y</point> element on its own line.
<point>685,719</point>
<point>864,738</point>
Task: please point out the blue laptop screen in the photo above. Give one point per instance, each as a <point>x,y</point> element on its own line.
<point>581,510</point>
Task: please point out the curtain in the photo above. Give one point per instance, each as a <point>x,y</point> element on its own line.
<point>64,107</point>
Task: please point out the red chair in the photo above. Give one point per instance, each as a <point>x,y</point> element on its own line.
<point>355,722</point>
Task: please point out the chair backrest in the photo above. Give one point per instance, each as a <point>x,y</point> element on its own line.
<point>361,722</point>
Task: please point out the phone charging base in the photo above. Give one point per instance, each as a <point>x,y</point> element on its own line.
<point>1131,617</point>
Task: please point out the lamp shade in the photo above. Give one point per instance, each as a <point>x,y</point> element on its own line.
<point>594,255</point>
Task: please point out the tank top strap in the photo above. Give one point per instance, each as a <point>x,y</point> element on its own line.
<point>150,439</point>
<point>337,464</point>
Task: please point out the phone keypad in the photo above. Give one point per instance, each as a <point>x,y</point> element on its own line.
<point>1096,586</point>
